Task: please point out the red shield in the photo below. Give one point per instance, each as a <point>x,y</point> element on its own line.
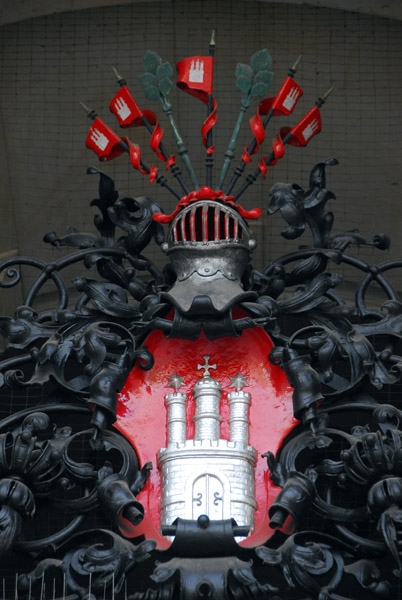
<point>142,412</point>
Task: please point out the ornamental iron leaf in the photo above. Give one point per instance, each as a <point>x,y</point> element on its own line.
<point>254,79</point>
<point>336,515</point>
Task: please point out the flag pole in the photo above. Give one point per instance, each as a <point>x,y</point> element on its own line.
<point>183,151</point>
<point>251,178</point>
<point>174,169</point>
<point>162,181</point>
<point>209,159</point>
<point>158,88</point>
<point>240,168</point>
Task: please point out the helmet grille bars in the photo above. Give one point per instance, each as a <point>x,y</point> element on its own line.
<point>206,222</point>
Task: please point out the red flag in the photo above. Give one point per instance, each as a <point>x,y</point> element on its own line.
<point>306,128</point>
<point>302,133</point>
<point>283,104</point>
<point>126,109</point>
<point>287,97</point>
<point>195,76</point>
<point>129,114</point>
<point>103,141</point>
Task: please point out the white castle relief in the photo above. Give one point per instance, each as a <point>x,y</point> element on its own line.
<point>208,475</point>
<point>196,73</point>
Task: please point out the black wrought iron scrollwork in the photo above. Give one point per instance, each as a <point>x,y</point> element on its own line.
<point>338,512</point>
<point>92,563</point>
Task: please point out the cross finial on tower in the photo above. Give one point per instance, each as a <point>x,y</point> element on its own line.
<point>206,366</point>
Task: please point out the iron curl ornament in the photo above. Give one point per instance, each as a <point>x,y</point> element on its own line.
<point>208,430</point>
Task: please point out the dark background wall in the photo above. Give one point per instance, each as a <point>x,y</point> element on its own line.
<point>52,55</point>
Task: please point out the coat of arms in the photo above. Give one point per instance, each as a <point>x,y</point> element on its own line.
<point>208,430</point>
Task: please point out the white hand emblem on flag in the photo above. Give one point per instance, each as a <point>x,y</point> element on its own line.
<point>196,73</point>
<point>99,139</point>
<point>310,130</point>
<point>291,98</point>
<point>122,109</point>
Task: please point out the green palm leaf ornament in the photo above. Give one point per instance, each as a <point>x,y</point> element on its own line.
<point>157,84</point>
<point>253,80</point>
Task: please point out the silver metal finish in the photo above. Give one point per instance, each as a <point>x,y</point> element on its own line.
<point>209,249</point>
<point>176,417</point>
<point>207,394</point>
<point>239,423</point>
<point>176,410</point>
<point>208,221</point>
<point>207,474</point>
<point>239,402</point>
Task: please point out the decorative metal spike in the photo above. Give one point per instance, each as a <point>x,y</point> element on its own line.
<point>327,93</point>
<point>119,77</point>
<point>295,66</point>
<point>212,42</point>
<point>91,113</point>
<point>86,108</point>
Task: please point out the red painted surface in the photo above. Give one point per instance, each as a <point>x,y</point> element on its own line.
<point>142,412</point>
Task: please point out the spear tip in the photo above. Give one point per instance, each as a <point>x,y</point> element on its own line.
<point>212,42</point>
<point>85,107</point>
<point>295,66</point>
<point>90,111</point>
<point>327,93</point>
<point>117,74</point>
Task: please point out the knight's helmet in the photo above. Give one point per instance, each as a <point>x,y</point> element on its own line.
<point>209,248</point>
<point>208,241</point>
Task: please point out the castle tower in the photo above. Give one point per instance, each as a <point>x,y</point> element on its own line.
<point>207,394</point>
<point>207,474</point>
<point>239,404</point>
<point>176,411</point>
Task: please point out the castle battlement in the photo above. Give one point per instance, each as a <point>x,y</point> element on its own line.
<point>206,447</point>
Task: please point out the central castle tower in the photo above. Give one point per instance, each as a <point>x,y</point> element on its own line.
<point>208,475</point>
